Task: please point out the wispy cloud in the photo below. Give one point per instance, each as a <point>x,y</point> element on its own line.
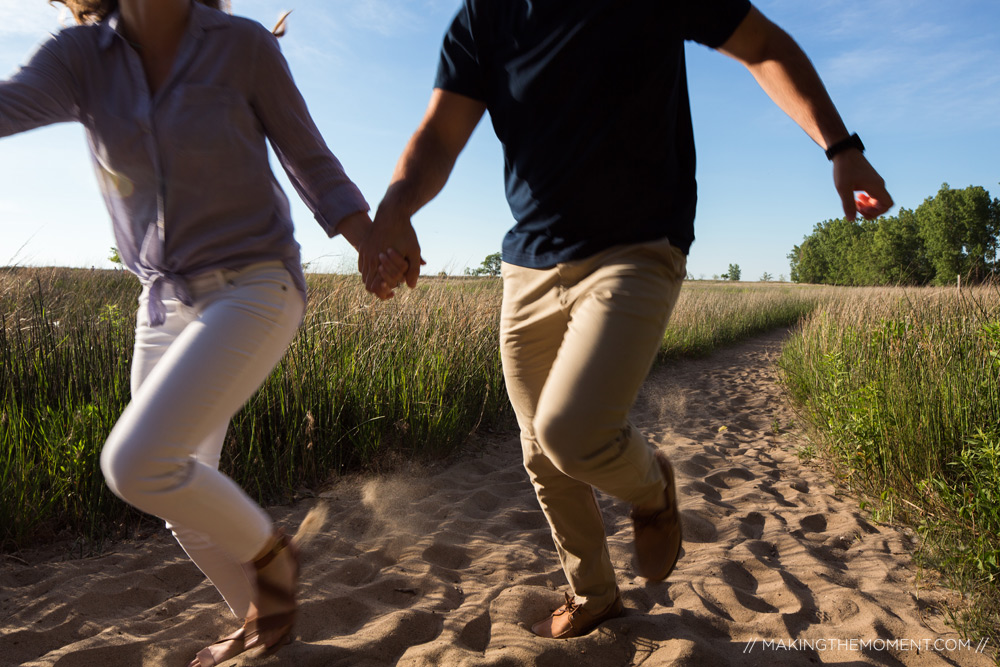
<point>922,62</point>
<point>28,18</point>
<point>385,17</point>
<point>836,19</point>
<point>331,31</point>
<point>390,18</point>
<point>944,82</point>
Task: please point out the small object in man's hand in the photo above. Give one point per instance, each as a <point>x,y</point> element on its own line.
<point>867,205</point>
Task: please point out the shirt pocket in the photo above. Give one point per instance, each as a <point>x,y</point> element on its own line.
<point>203,119</point>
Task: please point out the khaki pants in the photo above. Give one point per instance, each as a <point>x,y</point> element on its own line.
<point>577,341</point>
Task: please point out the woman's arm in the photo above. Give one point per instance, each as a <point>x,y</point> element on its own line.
<point>313,169</point>
<point>41,92</point>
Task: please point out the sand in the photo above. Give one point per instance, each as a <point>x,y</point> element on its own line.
<point>449,565</point>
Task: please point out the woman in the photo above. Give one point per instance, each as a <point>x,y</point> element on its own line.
<point>178,99</point>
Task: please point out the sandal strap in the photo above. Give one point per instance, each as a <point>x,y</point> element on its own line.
<point>279,593</point>
<point>278,626</point>
<point>272,622</point>
<point>281,541</point>
<point>275,591</point>
<point>267,624</point>
<point>231,638</point>
<point>206,658</point>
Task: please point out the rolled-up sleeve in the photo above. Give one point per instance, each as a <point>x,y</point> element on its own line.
<point>41,92</point>
<point>315,172</point>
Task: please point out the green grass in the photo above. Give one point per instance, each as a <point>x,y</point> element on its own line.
<point>902,388</point>
<point>362,383</point>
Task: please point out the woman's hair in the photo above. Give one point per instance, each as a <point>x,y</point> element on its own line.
<point>95,11</point>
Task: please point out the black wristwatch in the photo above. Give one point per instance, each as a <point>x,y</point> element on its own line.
<point>853,141</point>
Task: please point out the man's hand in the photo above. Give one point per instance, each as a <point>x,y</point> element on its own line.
<point>784,72</point>
<point>390,253</point>
<point>356,228</point>
<point>853,174</point>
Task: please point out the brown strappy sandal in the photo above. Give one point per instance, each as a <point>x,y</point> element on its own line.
<point>272,631</point>
<point>217,652</point>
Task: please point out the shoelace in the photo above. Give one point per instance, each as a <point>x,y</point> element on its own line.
<point>571,606</point>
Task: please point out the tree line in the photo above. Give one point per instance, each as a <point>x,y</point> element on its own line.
<point>953,233</point>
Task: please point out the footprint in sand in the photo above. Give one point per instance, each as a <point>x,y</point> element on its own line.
<point>449,565</point>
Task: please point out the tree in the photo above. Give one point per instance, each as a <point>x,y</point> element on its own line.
<point>489,267</point>
<point>766,277</point>
<point>900,257</point>
<point>115,257</point>
<point>808,261</point>
<point>959,229</point>
<point>954,233</point>
<point>733,273</point>
<point>847,252</point>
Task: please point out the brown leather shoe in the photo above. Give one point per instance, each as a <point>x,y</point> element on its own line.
<point>572,620</point>
<point>658,534</point>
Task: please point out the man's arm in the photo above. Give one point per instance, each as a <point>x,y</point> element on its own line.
<point>784,72</point>
<point>420,174</point>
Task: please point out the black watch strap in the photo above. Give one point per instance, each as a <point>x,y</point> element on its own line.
<point>853,141</point>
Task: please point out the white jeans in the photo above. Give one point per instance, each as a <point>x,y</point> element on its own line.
<point>189,377</point>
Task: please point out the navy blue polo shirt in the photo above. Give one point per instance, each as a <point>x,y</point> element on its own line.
<point>589,99</point>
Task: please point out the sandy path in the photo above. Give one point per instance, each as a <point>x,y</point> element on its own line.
<point>449,565</point>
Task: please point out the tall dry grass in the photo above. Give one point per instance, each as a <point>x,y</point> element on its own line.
<point>362,382</point>
<point>710,315</point>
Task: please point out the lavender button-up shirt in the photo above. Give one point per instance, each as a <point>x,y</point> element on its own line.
<point>184,171</point>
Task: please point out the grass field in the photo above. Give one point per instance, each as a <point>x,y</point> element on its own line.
<point>362,383</point>
<point>901,388</point>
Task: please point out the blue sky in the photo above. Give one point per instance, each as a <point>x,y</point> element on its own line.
<point>919,80</point>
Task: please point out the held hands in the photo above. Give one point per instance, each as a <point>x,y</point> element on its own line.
<point>389,253</point>
<point>853,174</point>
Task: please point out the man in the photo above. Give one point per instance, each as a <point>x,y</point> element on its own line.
<point>589,99</point>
